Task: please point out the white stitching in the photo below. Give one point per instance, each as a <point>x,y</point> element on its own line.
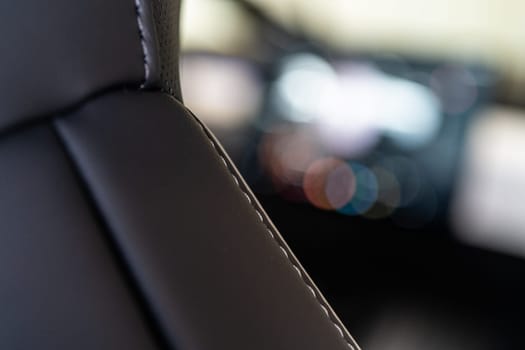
<point>270,233</point>
<point>237,182</point>
<point>283,248</point>
<point>298,271</point>
<point>142,41</point>
<point>250,201</point>
<point>284,252</point>
<point>312,291</point>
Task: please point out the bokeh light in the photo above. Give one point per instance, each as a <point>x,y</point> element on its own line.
<point>389,194</point>
<point>286,154</point>
<point>365,193</point>
<point>348,125</point>
<point>211,90</point>
<point>408,176</point>
<point>488,208</point>
<point>305,87</point>
<point>329,183</point>
<point>411,114</point>
<point>369,103</point>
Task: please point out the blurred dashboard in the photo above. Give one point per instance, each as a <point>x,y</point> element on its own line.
<point>386,141</point>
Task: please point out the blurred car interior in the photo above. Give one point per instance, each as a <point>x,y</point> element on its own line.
<point>386,139</point>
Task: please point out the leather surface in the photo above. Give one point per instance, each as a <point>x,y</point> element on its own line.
<point>209,267</point>
<point>56,53</point>
<point>123,224</point>
<point>165,15</point>
<point>60,284</point>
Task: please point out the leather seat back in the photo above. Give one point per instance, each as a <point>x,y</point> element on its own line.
<point>123,223</point>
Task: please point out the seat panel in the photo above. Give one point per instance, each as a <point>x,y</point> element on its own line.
<point>191,233</point>
<point>123,224</point>
<point>57,53</point>
<point>60,284</point>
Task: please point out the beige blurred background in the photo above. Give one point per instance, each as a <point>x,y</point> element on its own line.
<point>490,32</point>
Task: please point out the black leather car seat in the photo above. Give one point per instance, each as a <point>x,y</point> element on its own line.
<point>123,224</point>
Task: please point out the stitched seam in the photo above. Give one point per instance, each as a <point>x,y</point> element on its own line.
<point>138,8</point>
<point>282,247</point>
